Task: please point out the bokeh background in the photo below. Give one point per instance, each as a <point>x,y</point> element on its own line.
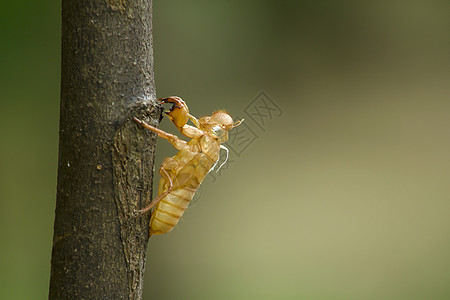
<point>345,195</point>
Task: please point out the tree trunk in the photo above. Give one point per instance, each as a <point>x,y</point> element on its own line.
<point>105,163</point>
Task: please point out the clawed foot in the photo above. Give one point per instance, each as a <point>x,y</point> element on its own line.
<point>179,113</point>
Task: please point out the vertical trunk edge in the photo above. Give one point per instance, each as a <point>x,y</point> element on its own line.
<point>132,160</point>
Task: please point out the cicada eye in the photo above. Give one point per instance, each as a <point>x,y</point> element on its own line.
<point>218,131</point>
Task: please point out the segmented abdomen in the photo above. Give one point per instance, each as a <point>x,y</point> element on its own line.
<point>170,209</point>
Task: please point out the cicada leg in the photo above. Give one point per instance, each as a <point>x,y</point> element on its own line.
<point>155,201</point>
<point>173,139</point>
<point>179,115</point>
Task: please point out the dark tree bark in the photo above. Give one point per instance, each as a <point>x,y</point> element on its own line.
<point>105,163</point>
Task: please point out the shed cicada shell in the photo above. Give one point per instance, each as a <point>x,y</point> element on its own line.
<point>183,173</point>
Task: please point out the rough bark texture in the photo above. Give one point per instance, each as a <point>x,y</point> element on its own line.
<point>105,163</point>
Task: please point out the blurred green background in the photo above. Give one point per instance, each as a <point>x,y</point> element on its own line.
<point>346,195</point>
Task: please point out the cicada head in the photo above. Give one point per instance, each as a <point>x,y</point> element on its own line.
<point>218,124</point>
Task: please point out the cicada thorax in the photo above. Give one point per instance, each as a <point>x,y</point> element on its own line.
<point>187,169</point>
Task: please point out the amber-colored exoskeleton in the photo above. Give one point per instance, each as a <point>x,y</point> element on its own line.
<point>182,174</point>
